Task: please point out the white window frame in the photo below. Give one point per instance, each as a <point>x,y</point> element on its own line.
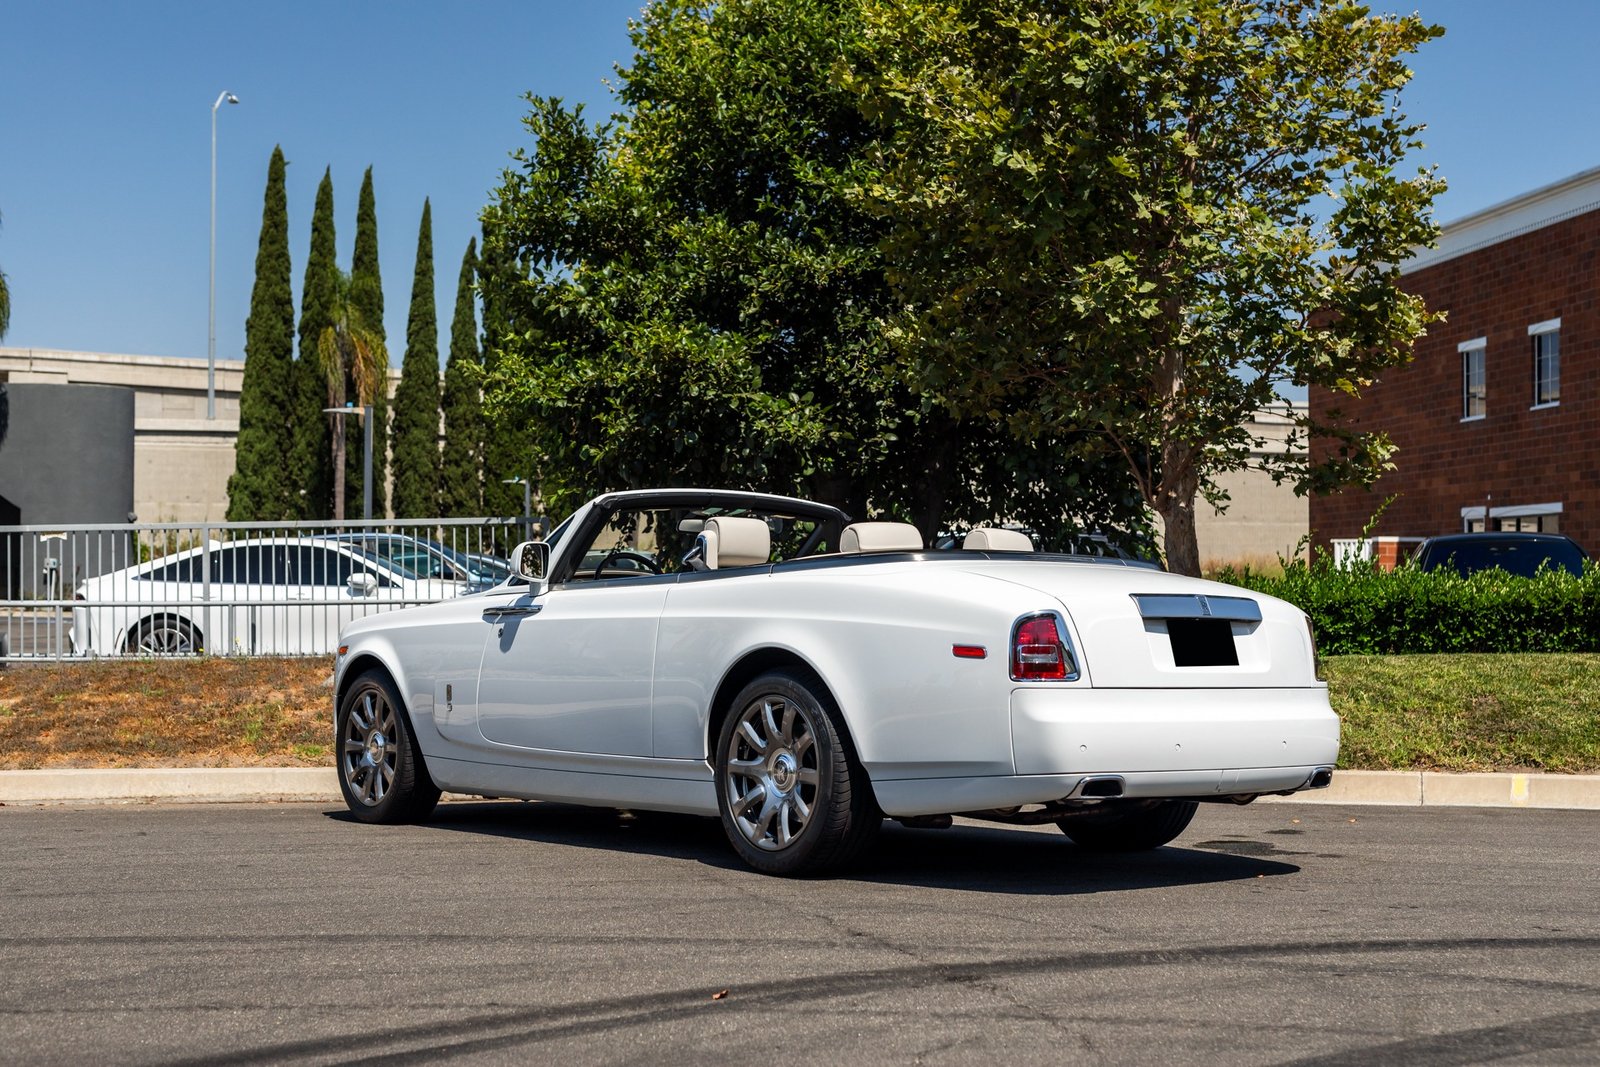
<point>1479,345</point>
<point>1537,330</point>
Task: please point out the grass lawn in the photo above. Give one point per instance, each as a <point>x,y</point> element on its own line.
<point>1526,712</point>
<point>1476,712</point>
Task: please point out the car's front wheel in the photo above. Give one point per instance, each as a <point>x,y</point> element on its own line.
<point>793,799</point>
<point>381,772</point>
<point>1128,825</point>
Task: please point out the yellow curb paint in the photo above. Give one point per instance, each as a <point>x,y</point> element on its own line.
<point>1519,789</point>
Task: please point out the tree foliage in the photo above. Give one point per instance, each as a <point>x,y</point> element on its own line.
<point>1137,219</point>
<point>461,465</point>
<point>366,288</point>
<point>509,451</point>
<point>260,488</point>
<point>416,399</point>
<point>690,297</point>
<point>309,457</point>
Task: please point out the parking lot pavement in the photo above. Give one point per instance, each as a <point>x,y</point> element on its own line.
<point>515,933</point>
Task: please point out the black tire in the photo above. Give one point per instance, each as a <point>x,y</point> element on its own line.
<point>381,772</point>
<point>1128,826</point>
<point>164,635</point>
<point>817,812</point>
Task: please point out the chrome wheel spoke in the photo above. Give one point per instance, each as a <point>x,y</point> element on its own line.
<point>746,768</point>
<point>801,808</point>
<point>753,799</point>
<point>802,746</point>
<point>770,720</point>
<point>748,731</point>
<point>352,745</point>
<point>790,715</point>
<point>807,776</point>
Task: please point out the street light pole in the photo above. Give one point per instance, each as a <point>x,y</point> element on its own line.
<point>211,328</point>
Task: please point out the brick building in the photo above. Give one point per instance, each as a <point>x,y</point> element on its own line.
<point>1500,409</point>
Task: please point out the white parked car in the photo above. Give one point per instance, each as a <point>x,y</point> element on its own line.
<point>760,659</point>
<point>268,596</point>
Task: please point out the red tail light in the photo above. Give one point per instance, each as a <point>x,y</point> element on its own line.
<point>1038,652</point>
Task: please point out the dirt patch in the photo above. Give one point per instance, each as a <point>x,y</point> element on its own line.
<point>168,713</point>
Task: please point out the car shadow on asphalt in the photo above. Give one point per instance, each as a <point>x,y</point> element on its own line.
<point>975,858</point>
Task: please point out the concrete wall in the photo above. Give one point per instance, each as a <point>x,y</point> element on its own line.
<point>182,460</point>
<point>67,460</point>
<point>1262,520</point>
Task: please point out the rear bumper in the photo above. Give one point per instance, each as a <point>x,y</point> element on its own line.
<point>1159,742</point>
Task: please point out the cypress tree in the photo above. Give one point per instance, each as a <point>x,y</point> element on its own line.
<point>461,472</point>
<point>416,399</point>
<point>259,488</point>
<point>309,460</point>
<point>366,296</point>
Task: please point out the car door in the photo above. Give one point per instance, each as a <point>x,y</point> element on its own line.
<point>570,670</point>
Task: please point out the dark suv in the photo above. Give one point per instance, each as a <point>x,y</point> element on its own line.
<point>1516,553</point>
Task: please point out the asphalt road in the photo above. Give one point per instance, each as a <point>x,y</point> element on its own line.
<point>528,933</point>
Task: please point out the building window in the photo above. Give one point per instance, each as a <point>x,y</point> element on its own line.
<point>1474,398</point>
<point>1546,338</point>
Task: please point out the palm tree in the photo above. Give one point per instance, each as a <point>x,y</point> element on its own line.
<point>354,361</point>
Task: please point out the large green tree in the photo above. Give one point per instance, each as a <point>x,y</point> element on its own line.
<point>690,296</point>
<point>1139,219</point>
<point>261,486</point>
<point>461,465</point>
<point>311,475</point>
<point>416,399</point>
<point>366,288</point>
<point>509,448</point>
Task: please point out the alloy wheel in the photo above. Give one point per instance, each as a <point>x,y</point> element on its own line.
<point>370,748</point>
<point>771,772</point>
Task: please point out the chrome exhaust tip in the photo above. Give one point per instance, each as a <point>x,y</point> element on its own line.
<point>1321,778</point>
<point>1098,786</point>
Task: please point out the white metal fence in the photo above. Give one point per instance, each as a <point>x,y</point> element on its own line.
<point>231,588</point>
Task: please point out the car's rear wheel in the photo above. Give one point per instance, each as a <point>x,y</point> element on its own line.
<point>793,798</point>
<point>1128,826</point>
<point>164,635</point>
<point>381,772</point>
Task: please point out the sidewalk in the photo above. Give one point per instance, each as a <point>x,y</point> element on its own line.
<point>320,785</point>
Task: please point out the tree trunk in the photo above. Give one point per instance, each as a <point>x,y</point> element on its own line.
<point>338,467</point>
<point>1174,502</point>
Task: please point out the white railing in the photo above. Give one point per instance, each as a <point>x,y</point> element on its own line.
<point>232,588</point>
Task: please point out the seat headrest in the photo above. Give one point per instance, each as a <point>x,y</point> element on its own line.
<point>995,539</point>
<point>737,542</point>
<point>880,537</point>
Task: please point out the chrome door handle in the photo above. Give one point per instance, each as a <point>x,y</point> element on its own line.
<point>512,612</point>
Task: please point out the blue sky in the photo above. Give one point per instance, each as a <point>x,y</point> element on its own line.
<point>105,137</point>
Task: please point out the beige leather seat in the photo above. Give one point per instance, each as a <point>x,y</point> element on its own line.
<point>880,537</point>
<point>734,542</point>
<point>995,539</point>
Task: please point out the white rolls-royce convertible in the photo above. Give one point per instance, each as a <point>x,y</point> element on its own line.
<point>766,661</point>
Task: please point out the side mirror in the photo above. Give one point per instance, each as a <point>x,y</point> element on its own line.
<point>362,584</point>
<point>531,561</point>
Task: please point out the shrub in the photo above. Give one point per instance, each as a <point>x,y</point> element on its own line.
<point>1365,611</point>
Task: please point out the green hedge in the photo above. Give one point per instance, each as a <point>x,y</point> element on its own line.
<point>1363,611</point>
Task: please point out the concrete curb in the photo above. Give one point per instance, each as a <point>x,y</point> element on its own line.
<point>1435,789</point>
<point>320,785</point>
<point>124,784</point>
